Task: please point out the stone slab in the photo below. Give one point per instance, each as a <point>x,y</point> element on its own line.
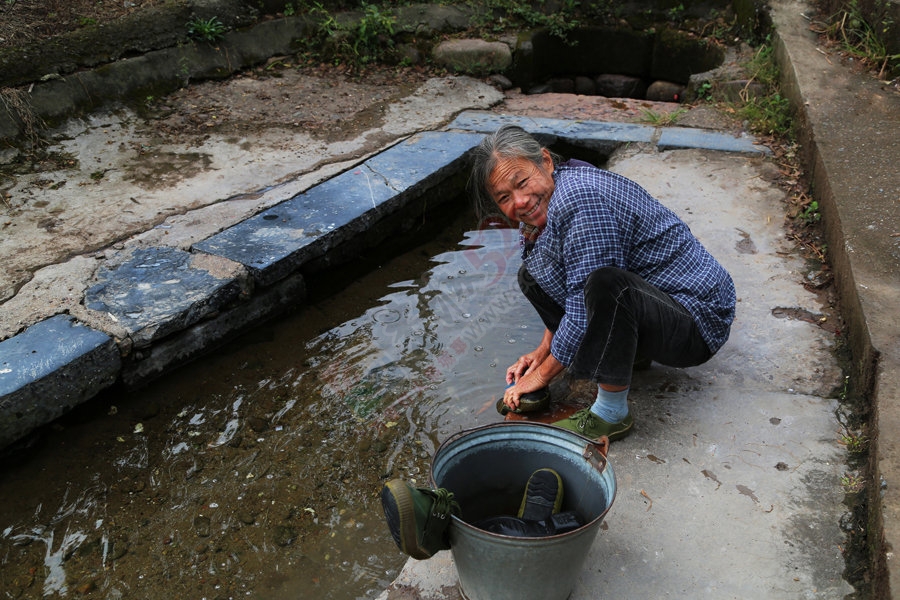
<point>603,137</point>
<point>279,240</point>
<point>153,292</point>
<point>187,345</point>
<point>423,159</point>
<point>606,137</point>
<point>48,369</point>
<point>672,138</point>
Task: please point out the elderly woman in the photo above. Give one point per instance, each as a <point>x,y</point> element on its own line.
<point>613,274</point>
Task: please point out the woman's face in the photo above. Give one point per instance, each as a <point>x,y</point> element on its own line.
<point>522,189</point>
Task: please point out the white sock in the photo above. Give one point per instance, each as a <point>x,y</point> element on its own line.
<point>612,407</point>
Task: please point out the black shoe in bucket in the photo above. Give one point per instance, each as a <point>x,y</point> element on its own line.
<point>543,496</point>
<point>513,526</point>
<point>530,402</point>
<point>516,527</point>
<point>418,518</point>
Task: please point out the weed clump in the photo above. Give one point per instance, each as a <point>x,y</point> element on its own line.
<point>208,30</point>
<point>863,37</point>
<point>768,113</point>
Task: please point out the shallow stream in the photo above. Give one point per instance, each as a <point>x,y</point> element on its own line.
<point>256,471</point>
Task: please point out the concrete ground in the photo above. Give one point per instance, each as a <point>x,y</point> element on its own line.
<point>732,484</point>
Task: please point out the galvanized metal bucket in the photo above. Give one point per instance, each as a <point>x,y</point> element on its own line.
<point>487,469</point>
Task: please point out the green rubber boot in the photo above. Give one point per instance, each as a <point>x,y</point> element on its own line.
<point>419,518</point>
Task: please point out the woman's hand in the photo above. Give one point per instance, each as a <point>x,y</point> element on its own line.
<point>531,382</point>
<point>531,372</point>
<point>523,366</point>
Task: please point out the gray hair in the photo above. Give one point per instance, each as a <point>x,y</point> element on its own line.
<point>510,141</point>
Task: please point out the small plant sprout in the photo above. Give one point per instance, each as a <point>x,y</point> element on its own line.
<point>661,119</point>
<point>811,213</point>
<point>208,30</point>
<point>852,483</point>
<point>856,443</point>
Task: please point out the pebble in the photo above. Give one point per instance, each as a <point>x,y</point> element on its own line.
<point>284,535</point>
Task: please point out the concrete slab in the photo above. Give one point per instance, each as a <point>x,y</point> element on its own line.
<point>849,123</point>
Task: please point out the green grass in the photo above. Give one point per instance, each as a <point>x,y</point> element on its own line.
<point>769,114</point>
<point>663,119</point>
<point>208,30</point>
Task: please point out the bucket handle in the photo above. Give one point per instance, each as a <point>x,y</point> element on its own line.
<point>595,453</point>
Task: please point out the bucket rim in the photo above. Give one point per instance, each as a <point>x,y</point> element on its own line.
<point>599,442</point>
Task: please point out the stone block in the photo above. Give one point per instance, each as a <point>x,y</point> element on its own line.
<point>614,85</point>
<point>585,86</point>
<point>281,239</point>
<point>50,368</point>
<point>683,137</point>
<point>474,56</point>
<point>184,346</point>
<point>153,292</point>
<point>665,91</point>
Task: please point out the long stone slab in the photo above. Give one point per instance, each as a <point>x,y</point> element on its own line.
<point>672,138</point>
<point>596,135</point>
<point>279,240</point>
<point>605,137</point>
<point>49,369</point>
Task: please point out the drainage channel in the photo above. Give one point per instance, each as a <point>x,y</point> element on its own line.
<point>256,471</point>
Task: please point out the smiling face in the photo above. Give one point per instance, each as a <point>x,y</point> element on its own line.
<point>522,189</point>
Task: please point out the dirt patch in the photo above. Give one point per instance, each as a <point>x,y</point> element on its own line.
<point>321,100</point>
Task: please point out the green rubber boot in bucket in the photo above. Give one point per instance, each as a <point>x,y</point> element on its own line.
<point>487,468</point>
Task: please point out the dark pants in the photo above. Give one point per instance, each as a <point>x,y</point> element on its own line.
<point>627,318</point>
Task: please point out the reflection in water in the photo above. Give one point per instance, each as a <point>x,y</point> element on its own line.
<point>256,472</point>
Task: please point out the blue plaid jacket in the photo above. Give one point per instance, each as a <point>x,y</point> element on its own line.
<point>597,218</point>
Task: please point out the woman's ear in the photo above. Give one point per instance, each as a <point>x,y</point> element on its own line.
<point>548,160</point>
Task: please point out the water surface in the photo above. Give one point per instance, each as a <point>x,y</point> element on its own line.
<point>256,471</point>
